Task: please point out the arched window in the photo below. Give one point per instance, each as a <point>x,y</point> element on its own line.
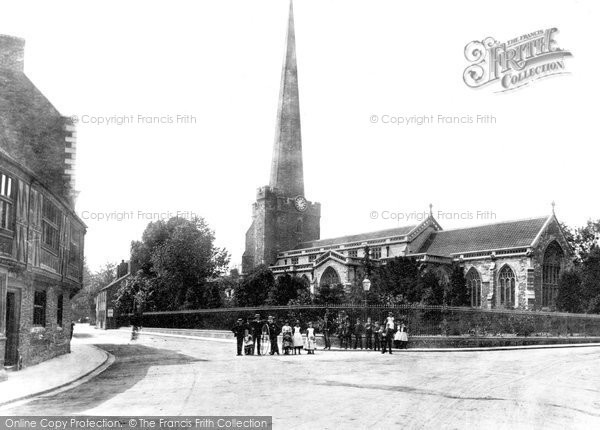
<point>551,267</point>
<point>474,287</point>
<point>506,281</point>
<point>329,277</point>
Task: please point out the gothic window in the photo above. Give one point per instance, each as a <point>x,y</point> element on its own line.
<point>376,253</point>
<point>6,202</point>
<point>550,273</point>
<point>474,287</point>
<point>329,277</point>
<point>294,260</point>
<point>506,282</point>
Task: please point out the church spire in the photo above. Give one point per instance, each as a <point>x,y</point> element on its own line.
<point>286,165</point>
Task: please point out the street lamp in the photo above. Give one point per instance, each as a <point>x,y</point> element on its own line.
<point>366,287</point>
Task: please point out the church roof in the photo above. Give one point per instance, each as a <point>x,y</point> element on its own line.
<point>509,234</point>
<point>362,237</point>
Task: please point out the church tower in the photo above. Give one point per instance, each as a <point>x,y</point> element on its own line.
<point>281,215</point>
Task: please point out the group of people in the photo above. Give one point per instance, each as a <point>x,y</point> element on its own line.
<point>377,335</point>
<point>250,334</point>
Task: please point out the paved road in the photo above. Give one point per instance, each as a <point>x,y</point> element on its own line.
<point>552,388</point>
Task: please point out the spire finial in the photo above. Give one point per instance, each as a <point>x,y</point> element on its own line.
<point>553,207</point>
<point>430,210</point>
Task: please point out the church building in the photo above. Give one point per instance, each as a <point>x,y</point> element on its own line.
<point>512,264</point>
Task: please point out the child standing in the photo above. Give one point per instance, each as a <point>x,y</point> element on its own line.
<point>248,344</point>
<point>288,343</point>
<point>311,340</point>
<point>397,339</point>
<point>298,342</point>
<point>403,330</point>
<point>376,335</point>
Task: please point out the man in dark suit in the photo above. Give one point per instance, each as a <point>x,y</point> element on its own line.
<point>256,325</point>
<point>274,330</point>
<point>239,331</point>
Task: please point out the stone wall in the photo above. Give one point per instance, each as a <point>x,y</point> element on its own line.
<point>36,343</point>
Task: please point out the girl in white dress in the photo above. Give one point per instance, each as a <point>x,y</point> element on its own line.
<point>311,340</point>
<point>288,342</point>
<point>298,342</point>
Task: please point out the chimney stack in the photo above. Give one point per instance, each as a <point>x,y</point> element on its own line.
<point>12,53</point>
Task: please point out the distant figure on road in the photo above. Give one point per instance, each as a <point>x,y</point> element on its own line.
<point>136,325</point>
<point>387,337</point>
<point>369,334</point>
<point>376,336</point>
<point>326,328</point>
<point>311,339</point>
<point>273,333</point>
<point>257,325</point>
<point>288,342</point>
<point>359,330</point>
<point>298,342</point>
<point>239,331</point>
<point>403,337</point>
<point>248,344</point>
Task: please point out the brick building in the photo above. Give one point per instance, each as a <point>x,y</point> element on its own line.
<point>41,237</point>
<point>514,264</point>
<point>106,314</point>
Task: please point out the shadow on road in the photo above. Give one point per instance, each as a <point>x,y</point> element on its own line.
<point>131,365</point>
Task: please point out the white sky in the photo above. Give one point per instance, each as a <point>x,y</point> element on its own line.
<point>221,61</point>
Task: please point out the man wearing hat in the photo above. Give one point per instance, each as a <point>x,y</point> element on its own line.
<point>256,325</point>
<point>274,330</point>
<point>239,331</point>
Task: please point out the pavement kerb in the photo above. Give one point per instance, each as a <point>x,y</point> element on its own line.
<point>108,361</point>
<point>490,348</point>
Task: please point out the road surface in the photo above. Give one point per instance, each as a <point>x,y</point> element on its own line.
<point>549,388</point>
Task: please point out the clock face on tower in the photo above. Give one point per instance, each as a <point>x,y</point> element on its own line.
<point>300,203</point>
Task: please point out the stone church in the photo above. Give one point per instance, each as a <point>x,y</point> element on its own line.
<point>512,264</point>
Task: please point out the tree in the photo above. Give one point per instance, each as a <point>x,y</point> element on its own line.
<point>457,294</point>
<point>330,294</point>
<point>433,289</point>
<point>398,281</point>
<point>583,239</point>
<point>83,304</point>
<point>569,297</point>
<point>590,276</point>
<point>284,290</point>
<point>180,258</point>
<point>254,289</point>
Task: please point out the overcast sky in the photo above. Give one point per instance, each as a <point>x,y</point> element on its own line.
<point>220,61</point>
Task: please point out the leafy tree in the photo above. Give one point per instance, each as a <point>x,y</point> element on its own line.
<point>433,289</point>
<point>583,239</point>
<point>399,280</point>
<point>178,256</point>
<point>590,275</point>
<point>457,294</point>
<point>569,297</point>
<point>284,290</point>
<point>254,289</point>
<point>136,294</point>
<point>330,294</point>
<point>83,304</point>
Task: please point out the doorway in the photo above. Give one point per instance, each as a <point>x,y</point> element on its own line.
<point>11,356</point>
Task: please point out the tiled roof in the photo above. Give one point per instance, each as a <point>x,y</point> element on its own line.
<point>399,231</point>
<point>482,238</point>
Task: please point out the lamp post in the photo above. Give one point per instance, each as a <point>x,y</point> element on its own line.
<point>366,287</point>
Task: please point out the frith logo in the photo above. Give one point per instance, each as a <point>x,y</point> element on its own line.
<point>515,63</point>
